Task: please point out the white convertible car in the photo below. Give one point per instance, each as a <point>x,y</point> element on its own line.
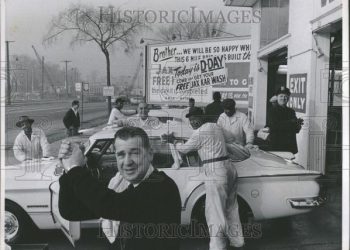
<point>269,186</point>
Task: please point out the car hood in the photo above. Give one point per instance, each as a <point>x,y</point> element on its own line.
<point>262,163</point>
<point>31,174</point>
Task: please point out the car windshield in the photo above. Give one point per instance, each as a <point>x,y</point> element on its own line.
<point>162,157</point>
<point>102,154</point>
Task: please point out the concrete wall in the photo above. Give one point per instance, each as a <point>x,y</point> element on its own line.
<point>258,71</point>
<point>300,54</point>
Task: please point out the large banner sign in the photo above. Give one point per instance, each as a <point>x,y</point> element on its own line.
<point>179,71</point>
<point>204,73</point>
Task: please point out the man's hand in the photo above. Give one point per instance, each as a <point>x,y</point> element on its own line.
<point>169,138</point>
<point>251,146</point>
<point>299,124</point>
<point>71,155</point>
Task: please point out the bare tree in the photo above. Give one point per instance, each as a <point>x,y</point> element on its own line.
<point>87,24</point>
<point>197,28</point>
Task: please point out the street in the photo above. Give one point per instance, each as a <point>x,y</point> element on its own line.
<point>320,229</point>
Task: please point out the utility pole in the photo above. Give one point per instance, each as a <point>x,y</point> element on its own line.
<point>42,77</point>
<point>66,79</point>
<point>27,87</point>
<point>32,80</point>
<point>8,72</point>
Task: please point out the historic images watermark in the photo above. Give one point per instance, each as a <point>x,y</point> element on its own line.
<point>193,231</point>
<point>191,15</point>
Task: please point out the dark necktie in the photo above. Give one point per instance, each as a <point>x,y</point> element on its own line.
<point>124,227</point>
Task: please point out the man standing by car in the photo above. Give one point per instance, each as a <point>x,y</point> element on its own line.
<point>30,143</point>
<point>117,113</point>
<point>191,104</point>
<point>235,125</point>
<point>221,206</point>
<point>214,109</point>
<point>283,124</point>
<point>151,201</point>
<point>142,120</point>
<point>71,120</point>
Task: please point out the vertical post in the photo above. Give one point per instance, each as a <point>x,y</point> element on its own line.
<point>75,75</point>
<point>42,77</point>
<point>66,80</point>
<point>32,80</point>
<point>27,87</point>
<point>66,77</point>
<point>8,73</point>
<point>82,104</point>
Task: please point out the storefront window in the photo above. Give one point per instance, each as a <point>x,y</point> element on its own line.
<point>274,20</point>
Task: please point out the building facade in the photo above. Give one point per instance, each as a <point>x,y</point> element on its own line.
<point>298,44</point>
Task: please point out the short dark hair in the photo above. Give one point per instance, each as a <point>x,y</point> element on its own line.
<point>131,132</point>
<point>216,96</point>
<point>228,103</point>
<point>75,102</point>
<point>191,100</point>
<point>119,100</point>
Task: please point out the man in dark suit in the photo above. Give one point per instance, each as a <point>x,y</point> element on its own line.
<point>71,119</point>
<point>214,110</point>
<point>148,210</point>
<point>283,124</point>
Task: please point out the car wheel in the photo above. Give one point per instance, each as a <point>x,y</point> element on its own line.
<point>198,215</point>
<point>245,213</point>
<point>15,223</point>
<point>198,221</point>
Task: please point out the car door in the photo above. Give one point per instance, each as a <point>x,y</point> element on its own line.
<point>71,229</point>
<point>101,162</point>
<point>187,173</point>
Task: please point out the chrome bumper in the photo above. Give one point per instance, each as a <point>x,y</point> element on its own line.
<point>304,203</point>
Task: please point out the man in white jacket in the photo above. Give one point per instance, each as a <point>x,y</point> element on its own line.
<point>235,125</point>
<point>30,143</point>
<point>221,206</point>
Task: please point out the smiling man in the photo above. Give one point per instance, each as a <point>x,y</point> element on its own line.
<point>30,143</point>
<point>283,124</point>
<point>151,200</point>
<point>143,120</point>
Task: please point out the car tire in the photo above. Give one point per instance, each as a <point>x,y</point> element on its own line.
<point>245,213</point>
<point>17,223</point>
<point>199,222</point>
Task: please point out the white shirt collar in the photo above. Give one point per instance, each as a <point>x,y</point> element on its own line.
<point>75,112</point>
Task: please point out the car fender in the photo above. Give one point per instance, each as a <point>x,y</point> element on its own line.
<point>196,195</point>
<point>190,202</point>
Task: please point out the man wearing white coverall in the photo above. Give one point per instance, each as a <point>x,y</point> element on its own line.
<point>221,206</point>
<point>30,143</point>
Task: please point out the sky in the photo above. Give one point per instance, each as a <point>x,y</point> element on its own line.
<point>27,22</point>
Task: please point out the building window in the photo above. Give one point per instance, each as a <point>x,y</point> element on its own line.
<point>274,20</point>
